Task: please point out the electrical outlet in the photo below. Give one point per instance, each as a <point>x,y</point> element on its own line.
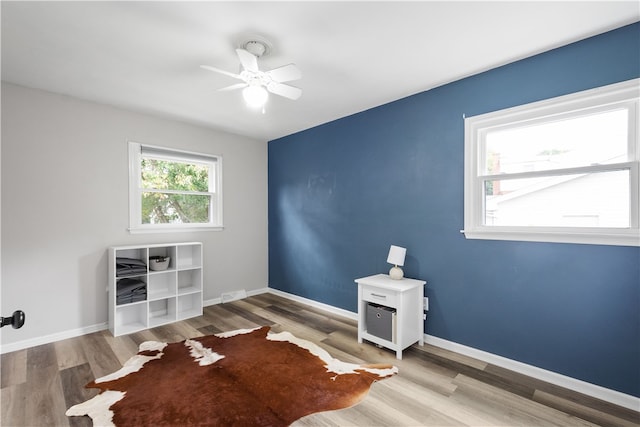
<point>425,303</point>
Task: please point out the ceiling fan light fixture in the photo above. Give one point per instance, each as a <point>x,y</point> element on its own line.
<point>257,84</point>
<point>255,95</point>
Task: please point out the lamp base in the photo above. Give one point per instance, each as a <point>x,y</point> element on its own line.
<point>396,273</point>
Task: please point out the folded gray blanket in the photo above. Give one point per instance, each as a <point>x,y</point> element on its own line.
<point>130,290</point>
<point>130,266</point>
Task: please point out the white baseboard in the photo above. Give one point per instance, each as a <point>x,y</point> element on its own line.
<point>596,391</point>
<point>46,339</point>
<point>214,301</point>
<point>593,390</point>
<point>72,333</point>
<point>325,307</point>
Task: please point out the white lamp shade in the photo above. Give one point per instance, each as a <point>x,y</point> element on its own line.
<point>396,255</point>
<point>255,95</point>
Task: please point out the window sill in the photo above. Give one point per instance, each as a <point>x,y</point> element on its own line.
<point>183,229</point>
<point>627,237</point>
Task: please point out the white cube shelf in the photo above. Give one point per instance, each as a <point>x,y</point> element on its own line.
<point>170,295</point>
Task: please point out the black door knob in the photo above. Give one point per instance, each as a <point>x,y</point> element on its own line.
<point>16,320</point>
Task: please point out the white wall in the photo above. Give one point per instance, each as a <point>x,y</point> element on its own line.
<point>65,200</point>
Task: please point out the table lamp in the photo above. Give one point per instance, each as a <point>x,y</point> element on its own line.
<point>396,257</point>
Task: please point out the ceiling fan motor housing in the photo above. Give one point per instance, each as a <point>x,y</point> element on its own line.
<point>256,48</point>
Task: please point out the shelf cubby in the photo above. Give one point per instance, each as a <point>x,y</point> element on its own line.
<point>189,257</point>
<point>189,281</point>
<point>162,284</point>
<point>131,318</point>
<point>162,311</point>
<point>189,305</point>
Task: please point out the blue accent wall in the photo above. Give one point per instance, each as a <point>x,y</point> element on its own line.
<point>341,193</point>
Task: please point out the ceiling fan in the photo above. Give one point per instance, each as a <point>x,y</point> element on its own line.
<point>257,84</point>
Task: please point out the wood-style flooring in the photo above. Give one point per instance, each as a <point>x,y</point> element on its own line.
<point>434,387</point>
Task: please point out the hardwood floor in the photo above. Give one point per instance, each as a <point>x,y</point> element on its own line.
<point>434,387</point>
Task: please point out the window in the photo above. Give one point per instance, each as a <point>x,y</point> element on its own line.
<point>560,170</point>
<point>171,190</point>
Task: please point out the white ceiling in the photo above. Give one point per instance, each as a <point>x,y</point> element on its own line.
<point>145,56</point>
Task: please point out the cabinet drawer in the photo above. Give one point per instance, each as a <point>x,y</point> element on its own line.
<point>380,296</point>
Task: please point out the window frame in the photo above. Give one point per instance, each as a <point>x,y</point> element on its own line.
<point>602,99</point>
<point>135,188</point>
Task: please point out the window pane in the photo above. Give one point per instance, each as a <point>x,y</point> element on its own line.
<point>168,175</point>
<point>164,208</point>
<point>583,200</point>
<point>597,138</point>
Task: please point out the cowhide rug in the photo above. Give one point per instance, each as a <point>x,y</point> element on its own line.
<point>242,378</point>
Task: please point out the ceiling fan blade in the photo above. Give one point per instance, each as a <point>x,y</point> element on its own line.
<point>248,60</point>
<point>287,91</point>
<point>233,87</point>
<point>286,73</point>
<point>218,70</point>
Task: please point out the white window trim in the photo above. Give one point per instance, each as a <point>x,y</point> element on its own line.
<point>135,196</point>
<point>625,92</point>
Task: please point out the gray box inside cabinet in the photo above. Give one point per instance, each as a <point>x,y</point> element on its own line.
<point>381,321</point>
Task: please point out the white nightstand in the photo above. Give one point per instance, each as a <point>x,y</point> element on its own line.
<point>405,296</point>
